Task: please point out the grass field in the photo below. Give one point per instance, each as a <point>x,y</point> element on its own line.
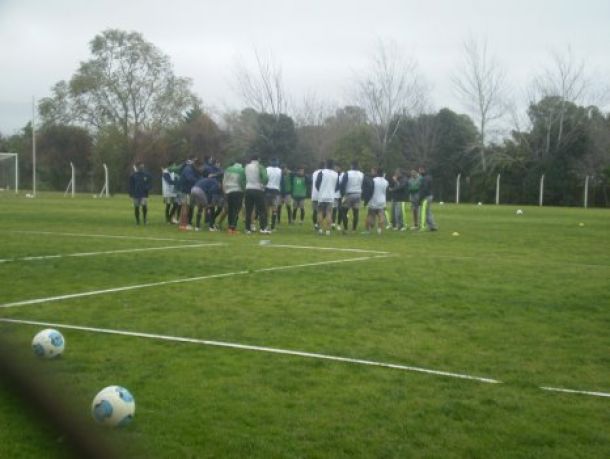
<point>524,300</point>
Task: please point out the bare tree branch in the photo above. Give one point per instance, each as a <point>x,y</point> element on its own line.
<point>388,90</point>
<point>262,88</point>
<point>480,84</point>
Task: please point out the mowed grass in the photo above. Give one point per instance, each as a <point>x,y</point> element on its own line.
<point>522,299</point>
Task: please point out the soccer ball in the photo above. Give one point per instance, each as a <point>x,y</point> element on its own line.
<point>48,343</point>
<point>479,203</point>
<point>519,212</point>
<point>113,406</point>
<point>441,203</point>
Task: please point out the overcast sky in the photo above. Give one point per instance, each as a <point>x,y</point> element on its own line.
<point>320,44</point>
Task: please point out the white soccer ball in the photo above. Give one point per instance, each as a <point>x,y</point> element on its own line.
<point>48,343</point>
<point>113,406</point>
<point>441,203</point>
<point>519,212</point>
<point>479,203</point>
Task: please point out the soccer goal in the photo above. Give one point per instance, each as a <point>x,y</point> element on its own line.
<point>9,172</point>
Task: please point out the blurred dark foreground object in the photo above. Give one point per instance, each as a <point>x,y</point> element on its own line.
<point>80,438</point>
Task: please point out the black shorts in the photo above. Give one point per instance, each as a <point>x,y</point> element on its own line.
<point>325,207</point>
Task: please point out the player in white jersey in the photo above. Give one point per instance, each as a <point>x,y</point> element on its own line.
<point>272,190</point>
<point>326,184</point>
<point>314,195</point>
<point>337,218</point>
<point>377,202</point>
<point>351,189</point>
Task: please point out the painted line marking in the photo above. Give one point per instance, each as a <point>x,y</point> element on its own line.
<point>573,391</point>
<point>102,236</point>
<point>337,249</point>
<point>273,350</point>
<point>248,347</point>
<point>503,260</point>
<point>110,252</point>
<point>180,281</point>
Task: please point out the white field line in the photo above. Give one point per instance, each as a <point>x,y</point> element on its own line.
<point>573,391</point>
<point>334,249</point>
<point>272,350</point>
<point>248,347</point>
<point>503,260</point>
<point>179,281</point>
<point>110,252</point>
<point>101,236</point>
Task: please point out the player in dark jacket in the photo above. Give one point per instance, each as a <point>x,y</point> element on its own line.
<point>188,176</point>
<point>400,195</point>
<point>203,194</point>
<point>140,183</point>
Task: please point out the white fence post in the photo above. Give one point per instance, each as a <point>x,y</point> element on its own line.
<point>541,195</point>
<point>105,191</point>
<point>17,175</point>
<point>498,189</point>
<point>457,189</point>
<point>72,180</point>
<point>106,181</point>
<point>586,191</point>
<point>33,146</point>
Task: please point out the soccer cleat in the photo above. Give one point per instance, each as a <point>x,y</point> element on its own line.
<point>328,232</point>
<point>388,227</point>
<point>265,231</point>
<point>174,221</point>
<point>197,229</point>
<point>378,230</point>
<point>188,227</point>
<point>212,228</point>
<point>404,228</point>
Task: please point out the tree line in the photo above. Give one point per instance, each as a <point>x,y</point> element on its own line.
<point>125,104</point>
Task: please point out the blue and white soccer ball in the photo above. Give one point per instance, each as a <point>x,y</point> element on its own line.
<point>113,406</point>
<point>48,343</point>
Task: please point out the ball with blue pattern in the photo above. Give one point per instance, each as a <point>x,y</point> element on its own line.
<point>48,344</point>
<point>113,406</point>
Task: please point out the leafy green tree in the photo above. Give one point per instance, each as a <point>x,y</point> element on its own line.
<point>128,84</point>
<point>59,145</point>
<point>357,144</point>
<point>198,135</point>
<point>275,138</point>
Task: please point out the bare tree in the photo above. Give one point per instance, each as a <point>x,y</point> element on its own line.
<point>312,111</point>
<point>262,88</point>
<point>389,89</point>
<point>480,84</point>
<point>564,80</point>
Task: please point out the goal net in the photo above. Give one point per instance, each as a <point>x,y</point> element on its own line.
<point>9,172</point>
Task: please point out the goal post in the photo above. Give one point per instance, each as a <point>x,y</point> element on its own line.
<point>9,172</point>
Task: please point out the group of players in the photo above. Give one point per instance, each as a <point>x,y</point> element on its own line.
<point>196,191</point>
